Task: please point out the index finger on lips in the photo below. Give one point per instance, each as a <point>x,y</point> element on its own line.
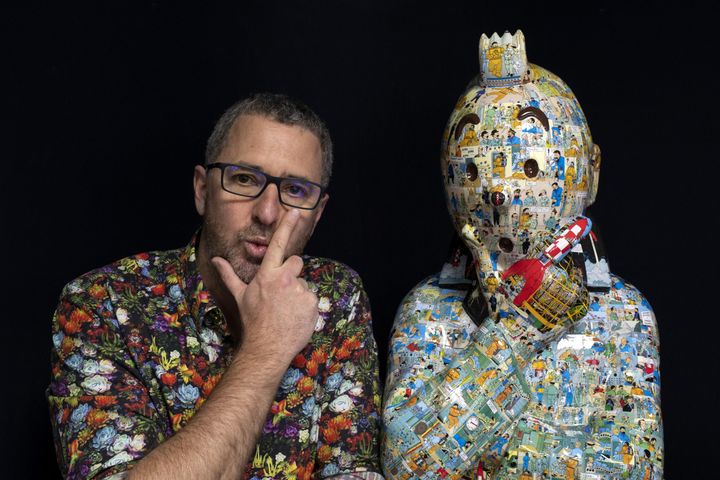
<point>275,254</point>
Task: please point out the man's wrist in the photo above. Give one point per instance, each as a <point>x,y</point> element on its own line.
<point>265,364</point>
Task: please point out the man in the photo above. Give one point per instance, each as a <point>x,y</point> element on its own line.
<point>558,165</point>
<point>556,194</point>
<point>233,356</point>
<point>525,304</point>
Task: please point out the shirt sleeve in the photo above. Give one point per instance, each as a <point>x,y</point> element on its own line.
<point>349,420</point>
<point>102,416</point>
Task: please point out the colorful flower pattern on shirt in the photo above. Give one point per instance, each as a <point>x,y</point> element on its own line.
<point>139,345</point>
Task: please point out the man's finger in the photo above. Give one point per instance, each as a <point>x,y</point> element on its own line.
<point>294,265</point>
<point>229,277</point>
<point>275,254</point>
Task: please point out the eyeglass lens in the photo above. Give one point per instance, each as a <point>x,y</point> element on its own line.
<point>250,182</point>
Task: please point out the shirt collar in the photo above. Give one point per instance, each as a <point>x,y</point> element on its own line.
<point>201,304</point>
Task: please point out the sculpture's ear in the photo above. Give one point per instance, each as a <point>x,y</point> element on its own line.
<point>594,177</point>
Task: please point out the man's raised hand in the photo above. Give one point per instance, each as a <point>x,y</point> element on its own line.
<point>277,310</point>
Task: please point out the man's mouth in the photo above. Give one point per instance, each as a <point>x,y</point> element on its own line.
<point>256,247</point>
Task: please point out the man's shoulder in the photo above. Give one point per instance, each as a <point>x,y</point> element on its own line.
<point>343,304</point>
<point>327,273</point>
<point>138,269</point>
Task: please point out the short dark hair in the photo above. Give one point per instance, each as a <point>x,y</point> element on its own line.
<point>279,108</point>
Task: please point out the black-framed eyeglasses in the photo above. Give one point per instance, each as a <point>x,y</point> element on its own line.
<point>251,182</point>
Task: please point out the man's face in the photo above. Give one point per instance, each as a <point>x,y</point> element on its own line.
<point>239,228</point>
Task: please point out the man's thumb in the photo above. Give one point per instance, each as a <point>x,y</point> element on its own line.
<point>229,277</point>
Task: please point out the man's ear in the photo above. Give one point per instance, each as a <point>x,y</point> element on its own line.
<point>317,213</point>
<point>200,187</point>
<point>594,175</point>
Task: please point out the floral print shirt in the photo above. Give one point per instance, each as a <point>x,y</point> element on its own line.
<point>139,345</point>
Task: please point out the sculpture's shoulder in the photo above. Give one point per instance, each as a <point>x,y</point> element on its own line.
<point>430,328</point>
<point>625,308</point>
<point>626,292</point>
<point>428,302</point>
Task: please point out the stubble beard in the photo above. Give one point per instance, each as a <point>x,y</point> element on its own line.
<point>231,247</point>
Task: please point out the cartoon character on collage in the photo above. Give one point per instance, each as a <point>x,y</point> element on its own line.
<point>564,385</point>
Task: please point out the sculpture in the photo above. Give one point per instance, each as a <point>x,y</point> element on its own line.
<point>524,358</point>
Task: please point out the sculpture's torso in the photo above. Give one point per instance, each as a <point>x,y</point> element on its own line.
<point>593,409</point>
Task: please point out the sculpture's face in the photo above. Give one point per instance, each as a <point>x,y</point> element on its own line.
<point>517,161</point>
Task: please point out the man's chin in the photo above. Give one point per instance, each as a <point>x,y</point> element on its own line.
<point>246,269</point>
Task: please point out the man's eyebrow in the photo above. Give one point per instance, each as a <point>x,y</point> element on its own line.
<point>298,177</point>
<point>258,167</point>
<point>534,112</point>
<point>249,165</point>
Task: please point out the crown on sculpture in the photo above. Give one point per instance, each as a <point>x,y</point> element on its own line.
<point>503,61</point>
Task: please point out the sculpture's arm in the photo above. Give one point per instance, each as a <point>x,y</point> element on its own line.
<point>446,420</point>
<point>627,425</point>
<point>595,408</point>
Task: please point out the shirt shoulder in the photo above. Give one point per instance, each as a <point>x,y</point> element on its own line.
<point>133,272</point>
<point>343,304</point>
<point>330,275</point>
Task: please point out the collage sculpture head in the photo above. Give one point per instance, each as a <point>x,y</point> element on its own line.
<point>519,168</point>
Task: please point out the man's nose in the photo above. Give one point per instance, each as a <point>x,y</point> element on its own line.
<point>267,207</point>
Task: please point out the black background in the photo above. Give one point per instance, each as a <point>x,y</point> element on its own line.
<point>106,109</point>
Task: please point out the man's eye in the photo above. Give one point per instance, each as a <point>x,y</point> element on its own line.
<point>296,190</point>
<point>244,179</point>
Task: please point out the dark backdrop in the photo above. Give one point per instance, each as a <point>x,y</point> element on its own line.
<point>106,109</point>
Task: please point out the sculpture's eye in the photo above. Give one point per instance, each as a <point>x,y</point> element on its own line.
<point>531,168</point>
<point>506,245</point>
<point>471,171</point>
<point>497,198</point>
